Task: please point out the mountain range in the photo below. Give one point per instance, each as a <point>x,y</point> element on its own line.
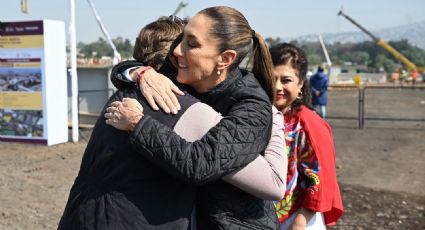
<point>414,33</point>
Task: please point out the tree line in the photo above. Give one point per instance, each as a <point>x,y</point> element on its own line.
<point>366,54</point>
<point>101,48</point>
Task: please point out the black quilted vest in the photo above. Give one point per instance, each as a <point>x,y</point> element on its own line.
<point>221,205</point>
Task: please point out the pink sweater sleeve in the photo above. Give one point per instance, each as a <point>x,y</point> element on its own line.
<point>265,177</point>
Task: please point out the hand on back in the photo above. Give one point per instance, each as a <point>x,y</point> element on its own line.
<point>125,114</point>
<point>159,91</point>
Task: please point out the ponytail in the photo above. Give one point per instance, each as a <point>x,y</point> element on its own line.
<point>262,66</point>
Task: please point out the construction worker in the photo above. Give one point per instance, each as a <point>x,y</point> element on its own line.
<point>395,76</point>
<point>414,76</point>
<point>403,77</point>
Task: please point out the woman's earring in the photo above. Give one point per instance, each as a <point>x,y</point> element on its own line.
<point>218,72</point>
<point>300,95</point>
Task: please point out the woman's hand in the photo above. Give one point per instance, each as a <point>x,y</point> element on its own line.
<point>125,114</point>
<point>301,219</point>
<point>158,89</point>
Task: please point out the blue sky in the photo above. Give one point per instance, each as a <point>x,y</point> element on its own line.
<point>271,18</point>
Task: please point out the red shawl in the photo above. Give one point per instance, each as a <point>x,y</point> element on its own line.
<point>328,198</point>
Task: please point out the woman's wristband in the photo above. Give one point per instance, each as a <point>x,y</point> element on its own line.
<point>140,75</point>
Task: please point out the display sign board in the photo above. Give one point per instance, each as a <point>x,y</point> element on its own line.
<point>33,82</point>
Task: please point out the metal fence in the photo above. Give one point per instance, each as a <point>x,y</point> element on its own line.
<point>376,103</point>
<point>346,103</point>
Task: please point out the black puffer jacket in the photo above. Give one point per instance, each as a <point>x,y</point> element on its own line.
<point>118,189</point>
<point>239,138</point>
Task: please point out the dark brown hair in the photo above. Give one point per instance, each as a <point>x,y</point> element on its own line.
<point>233,32</point>
<point>288,54</point>
<point>156,40</point>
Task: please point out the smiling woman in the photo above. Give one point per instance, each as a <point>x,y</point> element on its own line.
<point>214,43</point>
<point>197,56</point>
<point>288,86</point>
<point>313,199</point>
<point>290,69</point>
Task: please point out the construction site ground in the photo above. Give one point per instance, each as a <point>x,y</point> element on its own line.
<point>380,168</point>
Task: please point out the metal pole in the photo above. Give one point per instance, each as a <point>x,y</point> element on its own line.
<point>117,56</point>
<point>74,78</point>
<point>325,51</point>
<point>363,91</point>
<point>360,108</point>
<point>358,25</point>
<point>181,5</point>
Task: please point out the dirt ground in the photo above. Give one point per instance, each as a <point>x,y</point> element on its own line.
<point>380,168</point>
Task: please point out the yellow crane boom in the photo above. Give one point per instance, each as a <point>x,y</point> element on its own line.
<point>410,65</point>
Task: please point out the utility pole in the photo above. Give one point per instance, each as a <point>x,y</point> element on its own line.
<point>74,79</point>
<point>24,6</point>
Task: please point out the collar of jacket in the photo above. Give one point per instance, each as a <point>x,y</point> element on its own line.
<point>210,97</point>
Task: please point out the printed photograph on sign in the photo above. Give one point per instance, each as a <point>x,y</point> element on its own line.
<point>23,123</point>
<point>20,79</point>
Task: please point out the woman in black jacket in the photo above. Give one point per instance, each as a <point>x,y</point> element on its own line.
<point>214,43</point>
<point>118,189</point>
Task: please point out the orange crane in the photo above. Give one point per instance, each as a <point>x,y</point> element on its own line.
<point>410,65</point>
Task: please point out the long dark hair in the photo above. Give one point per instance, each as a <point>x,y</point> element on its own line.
<point>288,54</point>
<point>233,32</point>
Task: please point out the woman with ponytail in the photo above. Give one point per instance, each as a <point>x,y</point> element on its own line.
<point>213,45</point>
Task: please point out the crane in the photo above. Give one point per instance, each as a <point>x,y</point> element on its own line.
<point>410,65</point>
<point>181,5</point>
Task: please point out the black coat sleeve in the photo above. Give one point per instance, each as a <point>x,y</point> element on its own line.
<point>234,142</point>
<point>118,79</point>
